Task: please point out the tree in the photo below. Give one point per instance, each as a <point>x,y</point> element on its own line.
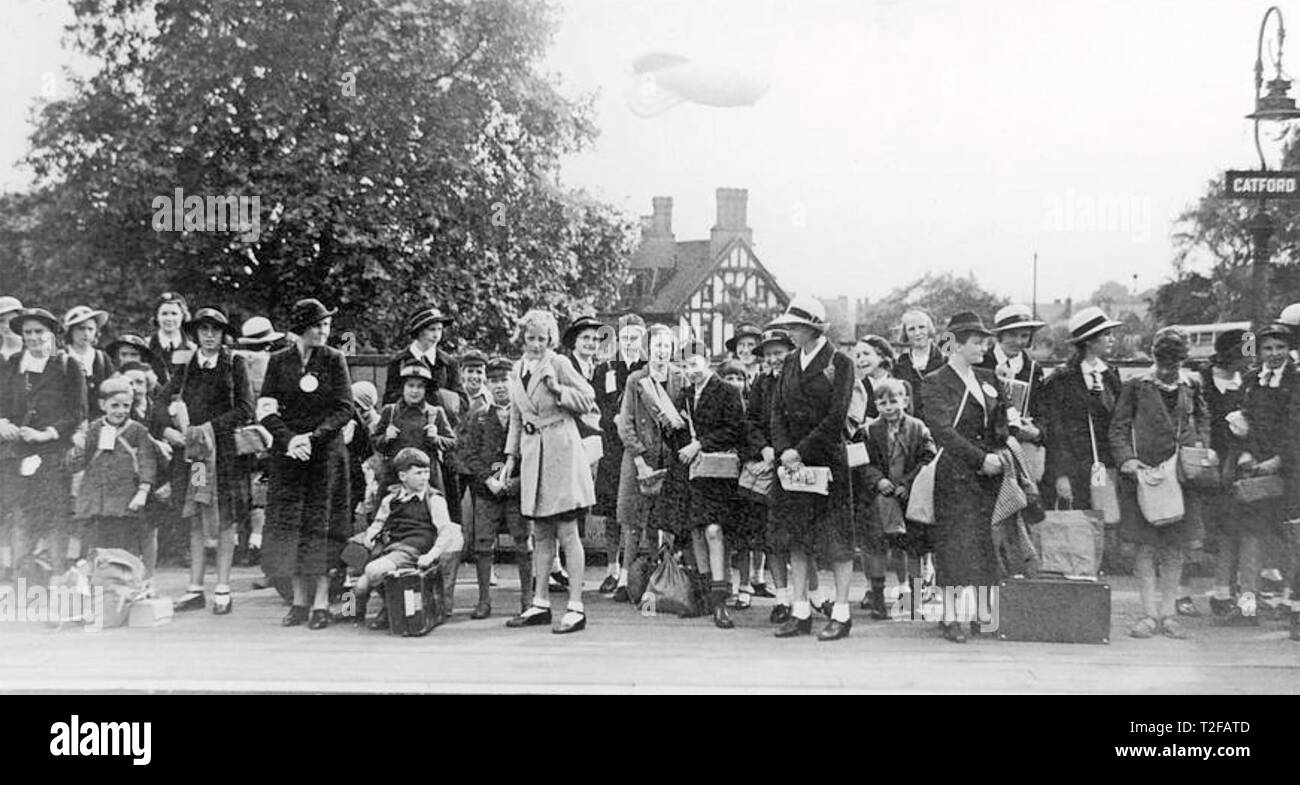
<point>399,152</point>
<point>942,294</point>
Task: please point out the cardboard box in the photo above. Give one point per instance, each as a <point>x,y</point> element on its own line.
<point>151,612</point>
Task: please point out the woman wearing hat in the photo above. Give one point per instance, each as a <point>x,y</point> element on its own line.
<point>610,380</point>
<point>556,488</point>
<point>1271,406</point>
<point>169,345</point>
<point>128,348</point>
<point>1022,377</point>
<point>809,412</point>
<point>773,347</point>
<point>257,339</point>
<point>922,357</point>
<point>426,327</point>
<point>1239,559</point>
<point>42,402</point>
<point>199,410</point>
<point>306,400</point>
<point>742,346</point>
<point>651,434</point>
<point>11,343</point>
<point>1077,401</point>
<point>1156,414</point>
<point>967,415</point>
<point>81,326</point>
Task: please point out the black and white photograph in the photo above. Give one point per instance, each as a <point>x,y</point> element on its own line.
<point>646,347</point>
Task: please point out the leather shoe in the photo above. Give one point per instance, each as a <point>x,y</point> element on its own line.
<point>761,590</point>
<point>1185,607</point>
<point>779,615</point>
<point>297,615</point>
<point>621,595</point>
<point>835,630</point>
<point>222,604</point>
<point>526,619</point>
<point>572,625</point>
<point>794,627</point>
<point>1222,607</point>
<point>320,619</point>
<point>481,611</point>
<point>192,601</point>
<point>826,608</point>
<point>561,579</point>
<point>953,631</point>
<point>722,617</point>
<point>608,585</point>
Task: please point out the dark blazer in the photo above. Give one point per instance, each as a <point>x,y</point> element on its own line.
<point>1067,403</point>
<point>719,419</point>
<point>224,399</point>
<point>1031,373</point>
<point>914,442</point>
<point>609,382</point>
<point>982,428</point>
<point>161,361</point>
<point>322,412</point>
<point>758,416</point>
<point>1220,404</point>
<point>1140,418</point>
<point>57,400</point>
<point>903,369</point>
<point>446,376</point>
<point>100,369</point>
<point>811,407</point>
<point>1268,410</point>
<point>483,449</point>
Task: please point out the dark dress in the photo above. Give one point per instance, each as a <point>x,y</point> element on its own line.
<point>1157,423</point>
<point>964,551</point>
<point>609,381</point>
<point>1221,510</point>
<point>809,411</point>
<point>718,419</point>
<point>54,398</point>
<point>1067,403</point>
<point>222,396</point>
<point>307,515</point>
<point>100,369</point>
<point>904,370</point>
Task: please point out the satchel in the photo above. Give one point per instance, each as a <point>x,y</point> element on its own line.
<point>809,479</point>
<point>1035,460</point>
<point>719,465</point>
<point>1199,467</point>
<point>857,454</point>
<point>652,484</point>
<point>1070,542</point>
<point>1249,490</point>
<point>891,514</point>
<point>756,481</point>
<point>920,502</point>
<point>1103,482</point>
<point>593,447</point>
<point>670,590</point>
<point>1160,497</point>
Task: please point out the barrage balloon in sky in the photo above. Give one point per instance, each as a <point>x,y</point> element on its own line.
<point>662,80</point>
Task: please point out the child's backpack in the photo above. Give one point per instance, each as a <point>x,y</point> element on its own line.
<point>120,574</point>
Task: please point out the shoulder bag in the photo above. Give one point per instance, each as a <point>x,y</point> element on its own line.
<point>920,501</point>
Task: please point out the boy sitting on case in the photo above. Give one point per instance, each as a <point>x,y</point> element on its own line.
<point>411,529</point>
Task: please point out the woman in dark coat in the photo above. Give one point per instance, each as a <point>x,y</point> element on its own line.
<point>310,395</point>
<point>610,380</point>
<point>426,327</point>
<point>967,416</point>
<point>716,415</point>
<point>1078,401</point>
<point>1155,415</point>
<point>809,413</point>
<point>774,347</point>
<point>42,402</point>
<point>212,390</point>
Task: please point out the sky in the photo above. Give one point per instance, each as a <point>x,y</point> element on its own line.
<point>894,138</point>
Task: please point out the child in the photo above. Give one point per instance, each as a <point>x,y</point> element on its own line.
<point>120,465</point>
<point>414,422</point>
<point>411,529</point>
<point>898,445</point>
<point>143,386</point>
<point>750,518</point>
<point>483,455</point>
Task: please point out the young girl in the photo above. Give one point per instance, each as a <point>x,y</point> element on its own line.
<point>746,540</point>
<point>81,327</point>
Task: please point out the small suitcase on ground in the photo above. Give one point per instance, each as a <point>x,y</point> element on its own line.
<point>414,602</point>
<point>1054,610</point>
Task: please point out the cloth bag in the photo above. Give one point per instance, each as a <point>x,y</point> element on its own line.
<point>1103,483</point>
<point>1160,497</point>
<point>1249,490</point>
<point>755,480</point>
<point>718,465</point>
<point>857,454</point>
<point>120,574</point>
<point>891,514</point>
<point>651,484</point>
<point>1198,467</point>
<point>1070,542</point>
<point>920,502</point>
<point>670,590</point>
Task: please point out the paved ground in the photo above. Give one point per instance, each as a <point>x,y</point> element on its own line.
<point>622,651</point>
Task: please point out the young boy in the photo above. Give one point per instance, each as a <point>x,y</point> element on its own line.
<point>120,465</point>
<point>411,529</point>
<point>143,385</point>
<point>483,455</point>
<point>898,445</point>
<point>414,422</point>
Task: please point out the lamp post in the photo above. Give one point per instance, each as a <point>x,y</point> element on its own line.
<point>1275,106</point>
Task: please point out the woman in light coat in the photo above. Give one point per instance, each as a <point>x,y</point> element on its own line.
<point>556,487</point>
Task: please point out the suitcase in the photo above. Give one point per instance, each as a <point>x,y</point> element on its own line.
<point>1054,610</point>
<point>414,602</point>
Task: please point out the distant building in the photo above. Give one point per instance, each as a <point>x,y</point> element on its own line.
<point>709,285</point>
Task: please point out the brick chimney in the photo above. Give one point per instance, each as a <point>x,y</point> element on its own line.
<point>733,205</point>
<point>661,220</point>
<point>658,247</point>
